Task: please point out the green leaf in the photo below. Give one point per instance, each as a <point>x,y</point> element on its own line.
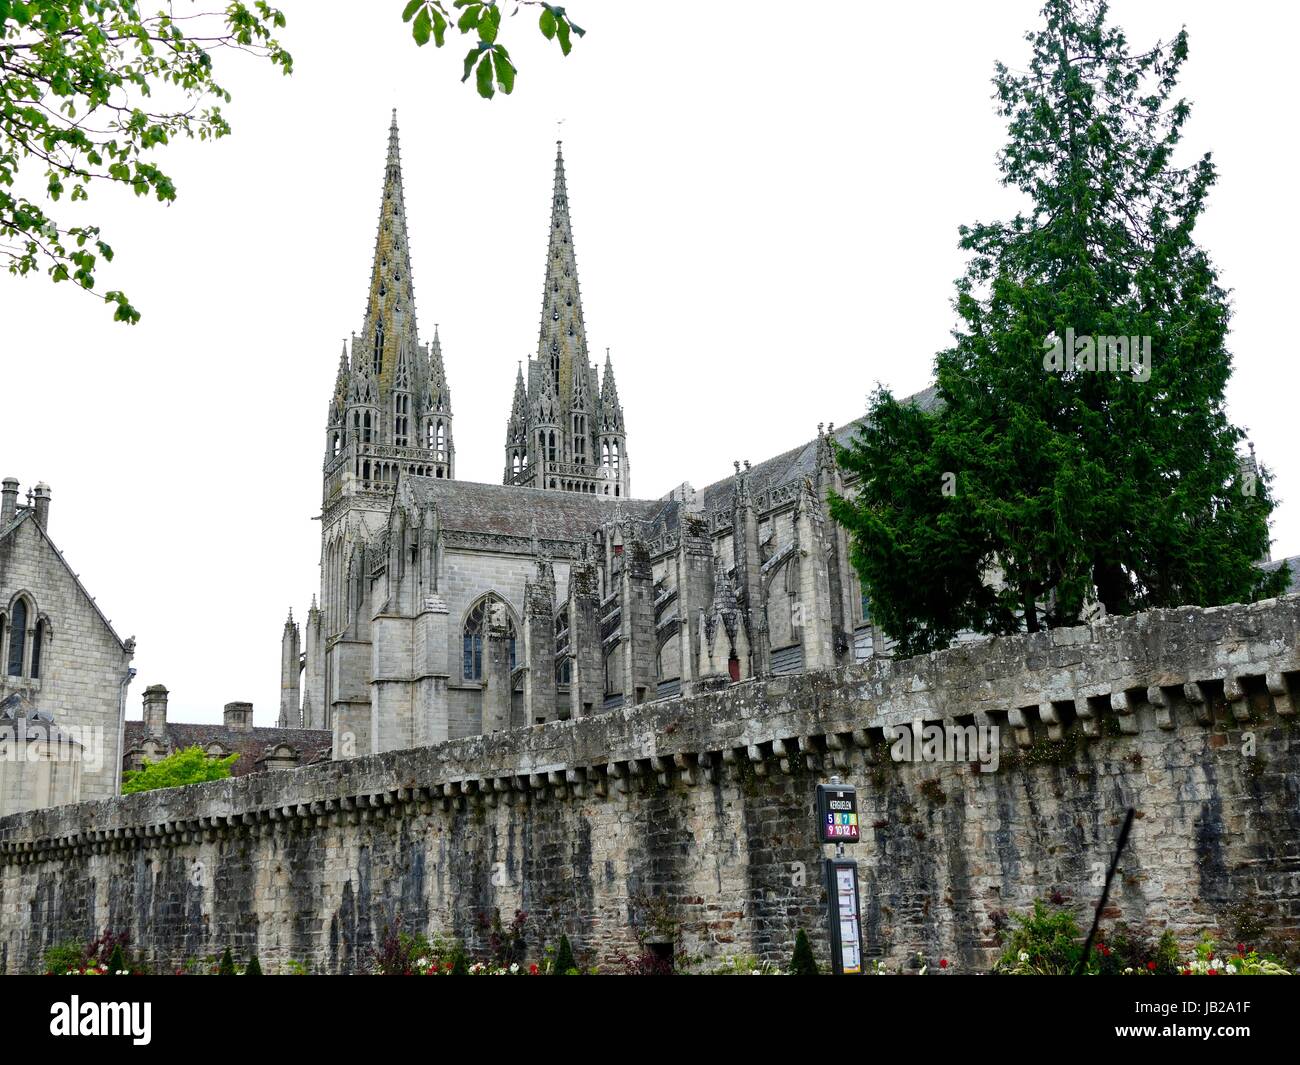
<point>409,11</point>
<point>547,23</point>
<point>505,70</point>
<point>485,89</point>
<point>420,31</point>
<point>471,57</point>
<point>468,18</point>
<point>489,23</point>
<point>562,31</point>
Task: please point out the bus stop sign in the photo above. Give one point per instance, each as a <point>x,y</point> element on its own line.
<point>837,813</point>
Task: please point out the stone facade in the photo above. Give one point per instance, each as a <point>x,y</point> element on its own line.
<point>690,817</point>
<point>61,657</point>
<point>428,624</point>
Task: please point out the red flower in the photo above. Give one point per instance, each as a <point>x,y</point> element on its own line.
<point>1241,948</point>
<point>532,969</point>
<point>1212,972</point>
<point>943,963</point>
<point>1151,966</point>
<point>1105,950</point>
<point>1187,972</point>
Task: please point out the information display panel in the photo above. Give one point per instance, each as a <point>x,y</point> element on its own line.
<point>846,924</point>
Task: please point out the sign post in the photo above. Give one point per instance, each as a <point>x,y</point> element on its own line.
<point>837,822</point>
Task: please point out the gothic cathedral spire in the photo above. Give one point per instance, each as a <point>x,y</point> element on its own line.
<point>390,412</point>
<point>562,445</point>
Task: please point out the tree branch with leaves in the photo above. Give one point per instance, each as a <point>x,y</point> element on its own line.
<point>488,60</point>
<point>89,90</point>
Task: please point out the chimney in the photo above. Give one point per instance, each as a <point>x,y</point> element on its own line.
<point>43,506</point>
<point>10,507</point>
<point>155,710</point>
<point>239,717</point>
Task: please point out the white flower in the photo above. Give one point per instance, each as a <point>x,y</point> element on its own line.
<point>1024,955</point>
<point>1231,970</point>
<point>514,967</point>
<point>422,962</point>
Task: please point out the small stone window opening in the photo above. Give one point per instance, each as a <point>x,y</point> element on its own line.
<point>38,641</point>
<point>17,638</point>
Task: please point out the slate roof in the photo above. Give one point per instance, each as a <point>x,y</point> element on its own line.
<point>509,510</point>
<point>250,744</point>
<point>798,462</point>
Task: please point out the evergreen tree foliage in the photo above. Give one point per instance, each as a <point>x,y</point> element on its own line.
<point>802,962</point>
<point>564,960</point>
<point>1061,468</point>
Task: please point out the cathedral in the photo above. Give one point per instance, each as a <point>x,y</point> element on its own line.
<point>449,608</point>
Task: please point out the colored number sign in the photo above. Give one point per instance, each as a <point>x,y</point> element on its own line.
<point>837,813</point>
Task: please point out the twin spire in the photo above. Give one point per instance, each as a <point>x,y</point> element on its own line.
<point>392,390</point>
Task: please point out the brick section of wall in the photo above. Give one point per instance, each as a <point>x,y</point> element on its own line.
<point>694,815</point>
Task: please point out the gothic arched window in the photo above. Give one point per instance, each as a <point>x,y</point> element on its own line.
<point>38,641</point>
<point>378,362</point>
<point>365,428</point>
<point>17,637</point>
<point>440,439</point>
<point>474,635</point>
<point>550,447</point>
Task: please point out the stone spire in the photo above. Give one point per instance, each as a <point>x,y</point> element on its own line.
<point>562,344</point>
<point>341,380</point>
<point>439,390</point>
<point>611,411</point>
<point>390,304</point>
<point>517,432</point>
<point>563,444</point>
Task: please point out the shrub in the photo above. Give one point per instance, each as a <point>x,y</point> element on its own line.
<point>116,961</point>
<point>190,766</point>
<point>1124,952</point>
<point>227,966</point>
<point>254,967</point>
<point>802,962</point>
<point>64,958</point>
<point>1045,943</point>
<point>401,953</point>
<point>564,964</point>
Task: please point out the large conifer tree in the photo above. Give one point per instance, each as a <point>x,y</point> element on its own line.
<point>1073,483</point>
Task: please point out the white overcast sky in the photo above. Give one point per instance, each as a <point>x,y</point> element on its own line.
<point>765,212</point>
